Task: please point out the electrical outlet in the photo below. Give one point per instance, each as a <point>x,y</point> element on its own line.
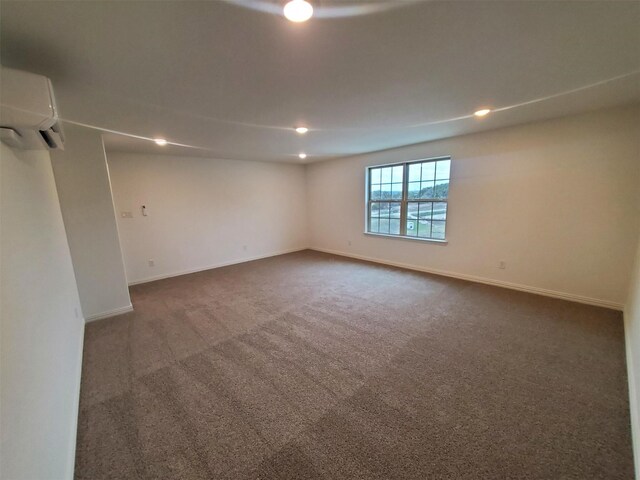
<point>502,264</point>
<point>349,242</point>
<point>152,262</point>
<point>244,247</point>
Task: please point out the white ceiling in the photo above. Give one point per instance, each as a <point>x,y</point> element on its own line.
<point>234,80</point>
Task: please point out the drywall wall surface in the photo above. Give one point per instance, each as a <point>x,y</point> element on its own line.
<point>41,324</point>
<point>632,337</point>
<point>555,200</point>
<point>82,179</point>
<point>203,213</point>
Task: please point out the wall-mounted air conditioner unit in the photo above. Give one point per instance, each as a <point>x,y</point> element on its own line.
<point>28,112</point>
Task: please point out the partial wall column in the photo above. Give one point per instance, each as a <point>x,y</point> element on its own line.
<point>82,180</point>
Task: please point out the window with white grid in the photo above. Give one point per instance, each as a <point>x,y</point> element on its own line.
<point>409,199</point>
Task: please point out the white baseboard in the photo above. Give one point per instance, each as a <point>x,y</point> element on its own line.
<point>71,461</point>
<point>217,265</point>
<point>633,394</point>
<point>109,313</point>
<point>488,281</point>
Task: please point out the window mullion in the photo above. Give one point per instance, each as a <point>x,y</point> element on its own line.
<point>403,204</point>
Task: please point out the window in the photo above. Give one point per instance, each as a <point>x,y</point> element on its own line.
<point>409,199</point>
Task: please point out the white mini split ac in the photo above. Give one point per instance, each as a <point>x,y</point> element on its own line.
<point>28,112</point>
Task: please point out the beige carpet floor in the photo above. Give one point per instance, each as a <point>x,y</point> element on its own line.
<point>309,366</point>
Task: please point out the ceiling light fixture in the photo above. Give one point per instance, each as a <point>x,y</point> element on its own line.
<point>482,112</point>
<point>160,141</point>
<point>302,156</point>
<point>302,130</point>
<point>298,11</point>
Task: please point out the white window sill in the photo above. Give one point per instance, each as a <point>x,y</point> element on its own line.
<point>405,237</point>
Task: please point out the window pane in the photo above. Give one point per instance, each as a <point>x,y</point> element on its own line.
<point>375,210</point>
<point>383,210</point>
<point>397,175</point>
<point>374,175</point>
<point>424,219</point>
<point>394,210</point>
<point>385,190</point>
<point>412,228</point>
<point>373,225</point>
<point>426,190</point>
<point>424,228</point>
<point>425,210</point>
<point>414,172</point>
<point>385,175</point>
<point>394,226</point>
<point>442,169</point>
<point>440,211</point>
<point>428,171</point>
<point>438,230</point>
<point>384,225</point>
<point>442,189</point>
<point>414,189</point>
<point>375,192</point>
<point>412,219</point>
<point>412,210</point>
<point>396,191</point>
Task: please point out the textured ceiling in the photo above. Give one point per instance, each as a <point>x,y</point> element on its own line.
<point>232,79</point>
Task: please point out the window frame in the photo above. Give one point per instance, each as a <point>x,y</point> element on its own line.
<point>404,201</point>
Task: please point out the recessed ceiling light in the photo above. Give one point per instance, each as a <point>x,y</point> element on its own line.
<point>302,156</point>
<point>298,11</point>
<point>302,130</point>
<point>160,141</point>
<point>482,112</point>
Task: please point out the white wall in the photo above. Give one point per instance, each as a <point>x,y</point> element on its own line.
<point>203,212</point>
<point>557,200</point>
<point>41,325</point>
<point>82,179</point>
<point>632,336</point>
